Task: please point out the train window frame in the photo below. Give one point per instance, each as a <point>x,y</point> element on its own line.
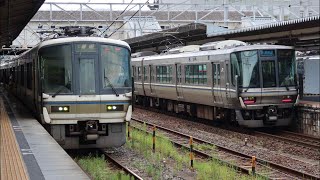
<point>73,89</point>
<point>114,63</point>
<point>139,73</point>
<point>218,74</point>
<point>145,73</point>
<point>164,73</point>
<point>194,74</point>
<point>234,70</point>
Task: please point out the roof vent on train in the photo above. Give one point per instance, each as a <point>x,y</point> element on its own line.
<point>190,48</point>
<point>221,45</point>
<point>144,53</point>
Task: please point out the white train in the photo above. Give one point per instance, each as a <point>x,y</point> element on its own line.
<point>80,88</point>
<point>251,85</point>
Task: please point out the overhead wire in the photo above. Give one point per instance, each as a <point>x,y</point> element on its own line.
<point>117,17</point>
<point>129,19</point>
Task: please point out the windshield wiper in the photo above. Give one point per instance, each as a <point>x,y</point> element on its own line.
<point>57,92</point>
<point>61,88</point>
<point>113,89</point>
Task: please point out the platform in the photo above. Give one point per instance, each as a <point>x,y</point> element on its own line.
<point>306,103</point>
<point>27,151</point>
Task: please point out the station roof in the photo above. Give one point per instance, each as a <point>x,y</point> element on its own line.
<point>302,33</point>
<point>14,16</point>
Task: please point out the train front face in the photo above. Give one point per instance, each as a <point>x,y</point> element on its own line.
<point>87,92</point>
<point>267,86</point>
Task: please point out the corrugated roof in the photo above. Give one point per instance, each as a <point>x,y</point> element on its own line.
<point>14,16</point>
<point>266,26</point>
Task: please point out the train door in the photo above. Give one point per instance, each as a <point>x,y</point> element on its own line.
<point>213,73</point>
<point>87,81</point>
<point>151,80</point>
<point>217,82</point>
<point>269,78</point>
<point>178,68</point>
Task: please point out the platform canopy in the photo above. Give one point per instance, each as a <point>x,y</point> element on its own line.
<point>14,16</point>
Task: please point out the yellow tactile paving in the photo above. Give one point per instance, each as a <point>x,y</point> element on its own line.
<point>12,166</point>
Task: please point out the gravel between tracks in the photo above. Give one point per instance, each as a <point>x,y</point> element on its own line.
<point>281,153</point>
<point>138,164</point>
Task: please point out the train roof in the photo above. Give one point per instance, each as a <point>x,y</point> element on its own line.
<point>87,39</point>
<point>213,52</point>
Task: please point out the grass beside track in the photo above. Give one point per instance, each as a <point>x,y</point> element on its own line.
<point>98,169</point>
<point>205,169</point>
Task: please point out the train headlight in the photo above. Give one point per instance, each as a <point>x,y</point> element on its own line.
<point>286,99</point>
<point>114,107</point>
<point>60,108</point>
<point>249,100</point>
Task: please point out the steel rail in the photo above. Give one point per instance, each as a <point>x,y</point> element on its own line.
<point>302,135</point>
<point>260,160</point>
<point>306,144</point>
<point>121,166</point>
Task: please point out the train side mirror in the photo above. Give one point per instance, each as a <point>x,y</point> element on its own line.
<point>237,85</point>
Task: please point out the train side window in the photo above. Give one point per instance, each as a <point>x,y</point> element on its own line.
<point>214,74</point>
<point>164,74</point>
<point>139,73</point>
<point>151,73</point>
<point>133,70</point>
<point>170,74</point>
<point>29,75</point>
<point>22,75</point>
<point>203,74</point>
<point>145,73</point>
<point>218,74</point>
<point>187,74</point>
<point>196,74</point>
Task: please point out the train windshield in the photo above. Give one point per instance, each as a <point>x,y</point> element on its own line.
<point>56,69</point>
<point>245,65</point>
<point>286,67</point>
<point>274,63</point>
<point>114,68</point>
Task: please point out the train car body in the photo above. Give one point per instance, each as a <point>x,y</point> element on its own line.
<point>78,87</point>
<point>252,85</point>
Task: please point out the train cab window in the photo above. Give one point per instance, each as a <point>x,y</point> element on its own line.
<point>235,68</point>
<point>286,67</point>
<point>245,64</point>
<point>115,66</point>
<point>56,69</point>
<point>196,74</point>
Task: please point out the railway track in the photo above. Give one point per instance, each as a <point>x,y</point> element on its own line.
<point>120,164</point>
<point>291,137</point>
<point>272,171</point>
